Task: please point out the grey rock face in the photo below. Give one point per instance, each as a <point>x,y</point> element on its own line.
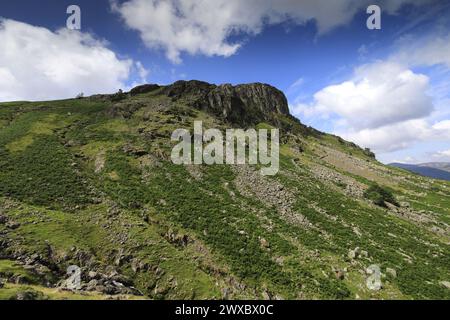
<point>268,98</point>
<point>246,103</point>
<point>144,89</point>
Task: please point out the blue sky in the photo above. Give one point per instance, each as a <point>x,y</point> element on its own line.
<point>386,89</point>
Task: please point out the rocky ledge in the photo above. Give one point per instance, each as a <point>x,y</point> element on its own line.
<point>243,103</point>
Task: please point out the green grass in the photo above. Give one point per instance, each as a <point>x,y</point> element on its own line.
<point>49,185</point>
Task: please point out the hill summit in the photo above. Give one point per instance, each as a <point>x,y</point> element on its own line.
<point>88,182</point>
<point>248,102</point>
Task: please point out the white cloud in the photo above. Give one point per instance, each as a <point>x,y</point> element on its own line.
<point>38,64</point>
<point>384,106</point>
<point>442,155</point>
<point>426,51</point>
<point>204,26</point>
<point>297,83</point>
<point>142,71</point>
<point>445,153</point>
<point>390,138</point>
<point>398,136</point>
<point>442,125</point>
<point>379,94</point>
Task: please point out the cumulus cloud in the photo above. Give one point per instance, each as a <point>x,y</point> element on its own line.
<point>391,137</point>
<point>39,64</point>
<point>379,94</point>
<point>442,126</point>
<point>384,106</point>
<point>204,26</point>
<point>397,136</point>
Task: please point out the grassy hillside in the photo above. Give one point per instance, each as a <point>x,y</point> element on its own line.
<point>89,182</point>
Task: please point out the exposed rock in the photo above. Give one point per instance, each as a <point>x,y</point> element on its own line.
<point>133,150</point>
<point>349,185</point>
<point>391,272</point>
<point>339,273</point>
<point>121,257</point>
<point>12,225</point>
<point>247,103</point>
<point>264,243</point>
<point>144,89</point>
<point>138,265</point>
<point>100,160</point>
<point>353,254</point>
<point>177,239</point>
<point>446,284</point>
<point>29,295</point>
<point>225,293</point>
<point>20,279</point>
<point>272,193</point>
<point>92,285</point>
<point>124,109</point>
<point>266,295</point>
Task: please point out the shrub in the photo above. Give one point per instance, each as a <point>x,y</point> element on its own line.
<point>118,96</point>
<point>379,195</point>
<point>369,153</point>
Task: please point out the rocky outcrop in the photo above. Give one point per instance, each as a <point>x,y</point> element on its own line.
<point>247,103</point>
<point>146,88</point>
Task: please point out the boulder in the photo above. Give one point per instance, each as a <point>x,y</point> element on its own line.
<point>12,225</point>
<point>445,284</point>
<point>29,295</point>
<point>353,254</point>
<point>391,272</point>
<point>340,274</point>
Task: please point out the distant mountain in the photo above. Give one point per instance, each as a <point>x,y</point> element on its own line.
<point>436,170</point>
<point>437,165</point>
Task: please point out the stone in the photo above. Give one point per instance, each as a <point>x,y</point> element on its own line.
<point>92,285</point>
<point>445,284</point>
<point>225,293</point>
<point>21,280</point>
<point>28,295</point>
<point>340,274</point>
<point>146,88</point>
<point>12,225</point>
<point>391,272</point>
<point>266,295</point>
<point>264,243</point>
<point>353,254</point>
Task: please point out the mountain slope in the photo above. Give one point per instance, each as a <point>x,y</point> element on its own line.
<point>437,165</point>
<point>425,170</point>
<point>89,182</point>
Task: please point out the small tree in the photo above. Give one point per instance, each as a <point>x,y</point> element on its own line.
<point>80,95</point>
<point>369,153</point>
<point>380,195</point>
<point>118,96</point>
